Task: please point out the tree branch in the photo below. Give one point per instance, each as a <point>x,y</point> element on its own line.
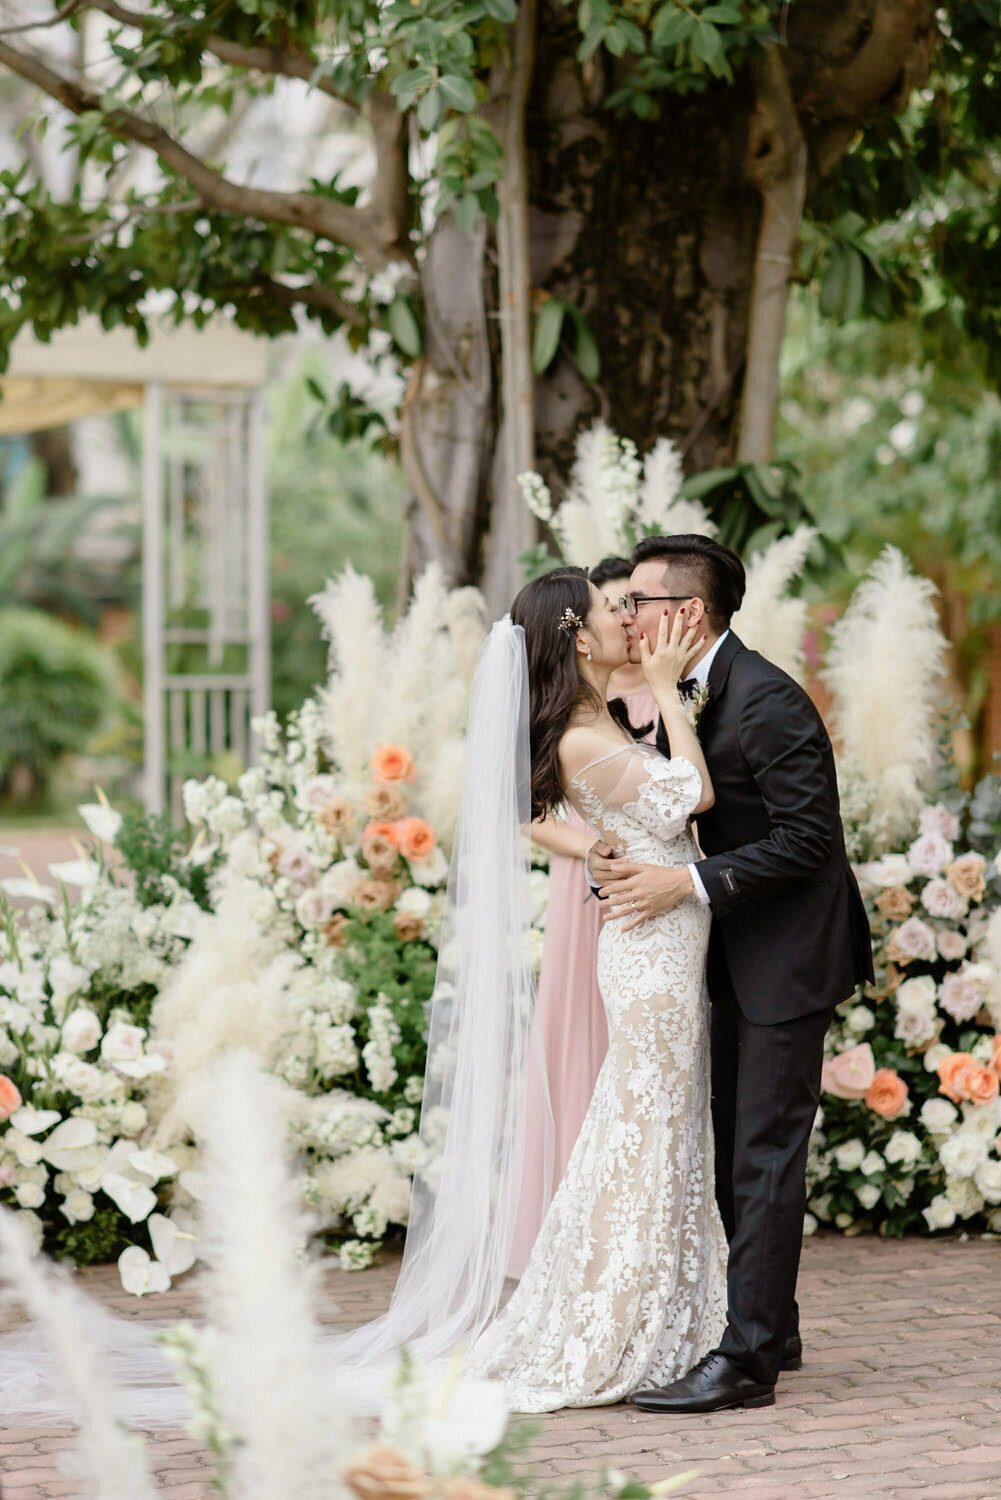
<point>315,294</point>
<point>283,62</point>
<point>353,227</point>
<point>56,19</point>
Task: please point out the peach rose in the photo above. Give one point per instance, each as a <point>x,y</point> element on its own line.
<point>895,903</point>
<point>417,838</point>
<point>334,930</point>
<point>850,1074</point>
<point>966,875</point>
<point>339,819</point>
<point>385,802</point>
<point>408,927</point>
<point>460,1487</point>
<point>981,1084</point>
<point>961,1077</point>
<point>10,1098</point>
<point>887,1094</point>
<point>392,763</point>
<point>381,847</point>
<point>996,1056</point>
<point>372,895</point>
<point>380,1473</point>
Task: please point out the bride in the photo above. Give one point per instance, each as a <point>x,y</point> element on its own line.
<point>626,1283</point>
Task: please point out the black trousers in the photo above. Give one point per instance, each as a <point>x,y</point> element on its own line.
<point>765,1092</point>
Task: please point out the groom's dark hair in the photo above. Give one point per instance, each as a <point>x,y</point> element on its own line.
<point>700,568</point>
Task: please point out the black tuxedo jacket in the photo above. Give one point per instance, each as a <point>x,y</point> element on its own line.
<point>789,924</point>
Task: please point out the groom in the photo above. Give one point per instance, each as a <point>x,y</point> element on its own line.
<point>789,941</point>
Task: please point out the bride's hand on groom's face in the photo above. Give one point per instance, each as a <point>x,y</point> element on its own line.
<point>665,661</point>
<point>639,892</point>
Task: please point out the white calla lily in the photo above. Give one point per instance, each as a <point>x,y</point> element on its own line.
<point>34,1121</point>
<point>152,1165</point>
<point>175,1247</point>
<point>101,819</point>
<point>140,1274</point>
<point>70,1145</point>
<point>134,1198</point>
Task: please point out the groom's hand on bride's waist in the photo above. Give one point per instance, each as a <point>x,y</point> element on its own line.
<point>636,893</point>
<point>600,866</point>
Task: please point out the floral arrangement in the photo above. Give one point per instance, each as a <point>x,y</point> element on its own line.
<point>910,1130</point>
<point>440,1435</point>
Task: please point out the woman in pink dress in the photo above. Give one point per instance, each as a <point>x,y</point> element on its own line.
<point>569,1012</point>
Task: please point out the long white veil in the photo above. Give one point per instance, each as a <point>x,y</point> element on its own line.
<point>486,1075</point>
<point>484,1055</point>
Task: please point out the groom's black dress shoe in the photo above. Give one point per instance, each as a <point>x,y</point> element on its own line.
<point>792,1353</point>
<point>714,1384</point>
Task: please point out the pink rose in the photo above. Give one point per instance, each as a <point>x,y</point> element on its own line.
<point>929,854</point>
<point>913,939</point>
<point>295,864</point>
<point>943,900</point>
<point>951,945</point>
<point>849,1075</point>
<point>940,820</point>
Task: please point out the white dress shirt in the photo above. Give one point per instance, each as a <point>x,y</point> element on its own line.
<point>700,674</point>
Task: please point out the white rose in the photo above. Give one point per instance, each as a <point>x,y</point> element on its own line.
<point>81,1030</point>
<point>871,1164</point>
<point>849,1156</point>
<point>903,1147</point>
<point>993,1221</point>
<point>431,871</point>
<point>78,1206</point>
<point>338,883</point>
<point>935,1055</point>
<point>843,1221</point>
<point>892,869</point>
<point>822,1206</point>
<point>415,902</point>
<point>941,900</point>
<point>860,1019</point>
<point>809,1225</point>
<point>988,1180</point>
<point>65,978</point>
<point>29,1195</point>
<point>868,1195</point>
<point>965,1197</point>
<point>228,818</point>
<point>314,908</point>
<point>122,1042</point>
<point>81,1078</point>
<point>26,1151</point>
<point>962,1153</point>
<point>940,1213</point>
<point>938,819</point>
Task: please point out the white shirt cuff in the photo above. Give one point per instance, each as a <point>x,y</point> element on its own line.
<point>700,889</point>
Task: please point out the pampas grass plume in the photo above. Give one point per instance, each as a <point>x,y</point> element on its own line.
<point>108,1462</point>
<point>770,620</point>
<point>885,668</point>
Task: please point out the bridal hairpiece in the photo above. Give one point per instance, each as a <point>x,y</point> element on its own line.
<point>571,621</point>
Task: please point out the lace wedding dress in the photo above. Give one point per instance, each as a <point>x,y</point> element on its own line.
<point>626,1283</point>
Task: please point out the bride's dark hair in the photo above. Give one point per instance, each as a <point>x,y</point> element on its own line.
<point>555,686</point>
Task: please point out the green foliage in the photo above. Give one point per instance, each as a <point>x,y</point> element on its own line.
<point>154,850</point>
<point>55,686</point>
<point>93,1242</point>
<point>752,504</point>
<point>378,964</point>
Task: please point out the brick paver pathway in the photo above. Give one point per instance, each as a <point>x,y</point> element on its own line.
<point>900,1394</point>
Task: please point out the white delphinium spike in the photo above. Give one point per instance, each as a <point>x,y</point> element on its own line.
<point>263,1349</point>
<point>536,495</point>
<point>661,486</point>
<point>770,620</point>
<point>357,684</point>
<point>885,668</point>
<point>108,1462</point>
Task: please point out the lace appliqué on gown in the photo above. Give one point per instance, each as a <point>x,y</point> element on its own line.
<point>626,1283</point>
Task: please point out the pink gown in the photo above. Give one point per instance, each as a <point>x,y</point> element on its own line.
<point>570,1017</point>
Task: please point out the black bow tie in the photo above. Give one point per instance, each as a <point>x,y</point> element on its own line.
<point>688,687</point>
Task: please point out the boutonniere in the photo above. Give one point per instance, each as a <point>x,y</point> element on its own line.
<point>696,702</point>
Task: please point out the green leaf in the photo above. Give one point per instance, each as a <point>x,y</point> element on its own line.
<point>699,485</point>
<point>430,110</point>
<point>723,15</point>
<point>671,26</point>
<point>458,93</point>
<point>585,347</point>
<point>707,44</point>
<point>466,211</point>
<point>548,328</point>
<point>404,327</point>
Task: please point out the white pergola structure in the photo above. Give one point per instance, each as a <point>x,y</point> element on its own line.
<point>206,594</point>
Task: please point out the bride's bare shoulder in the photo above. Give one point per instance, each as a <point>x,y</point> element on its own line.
<point>582,744</point>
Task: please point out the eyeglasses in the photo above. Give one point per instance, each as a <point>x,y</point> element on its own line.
<point>629,603</point>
